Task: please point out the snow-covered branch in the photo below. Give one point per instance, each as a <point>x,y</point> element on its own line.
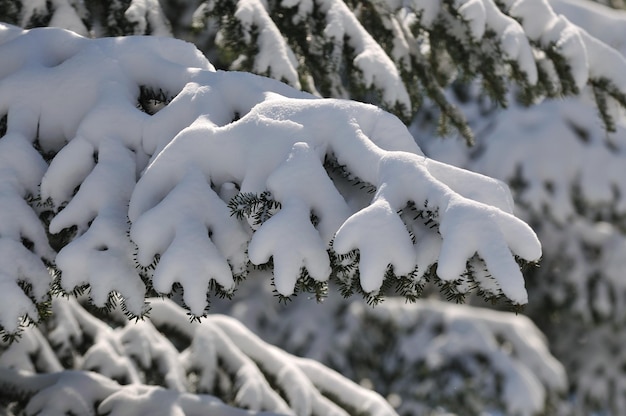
<point>165,365</point>
<point>391,53</point>
<point>157,156</point>
<point>567,177</point>
<point>402,51</point>
<point>429,354</point>
<point>579,205</point>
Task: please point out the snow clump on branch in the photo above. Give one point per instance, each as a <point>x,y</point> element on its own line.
<point>151,144</point>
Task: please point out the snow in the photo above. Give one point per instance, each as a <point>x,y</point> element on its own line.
<point>377,68</point>
<point>20,355</point>
<point>239,350</point>
<point>283,119</point>
<point>17,183</point>
<point>525,145</point>
<point>65,16</point>
<point>164,172</point>
<point>293,242</point>
<point>180,230</point>
<point>427,10</point>
<point>494,350</point>
<point>69,391</point>
<point>275,57</point>
<point>144,14</point>
<point>474,11</point>
<point>574,197</point>
<point>359,398</point>
<point>508,148</point>
<point>168,365</point>
<point>320,196</point>
<point>297,377</point>
<point>170,148</point>
<point>604,24</point>
<point>587,57</point>
<point>523,389</point>
<point>380,236</point>
<point>513,39</point>
<point>473,186</point>
<point>147,346</point>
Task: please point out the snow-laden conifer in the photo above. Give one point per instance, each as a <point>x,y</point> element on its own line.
<point>165,365</point>
<point>586,256</point>
<point>83,361</point>
<point>391,53</point>
<point>135,199</point>
<point>424,357</point>
<point>566,173</point>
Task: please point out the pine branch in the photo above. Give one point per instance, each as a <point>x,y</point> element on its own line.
<point>259,208</point>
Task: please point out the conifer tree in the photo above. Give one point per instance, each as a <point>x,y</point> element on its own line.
<point>401,57</point>
<point>567,182</point>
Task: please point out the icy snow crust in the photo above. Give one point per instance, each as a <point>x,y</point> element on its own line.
<point>164,180</point>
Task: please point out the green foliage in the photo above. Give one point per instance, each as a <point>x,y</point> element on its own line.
<point>259,208</point>
<point>345,267</point>
<point>10,11</point>
<point>232,48</point>
<point>438,54</point>
<point>604,91</point>
<point>150,101</point>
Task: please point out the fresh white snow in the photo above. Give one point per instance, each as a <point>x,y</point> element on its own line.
<point>166,181</point>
